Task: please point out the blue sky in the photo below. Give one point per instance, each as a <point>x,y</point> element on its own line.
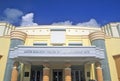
<point>71,12</point>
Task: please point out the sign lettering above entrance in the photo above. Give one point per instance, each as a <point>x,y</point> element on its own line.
<point>58,51</point>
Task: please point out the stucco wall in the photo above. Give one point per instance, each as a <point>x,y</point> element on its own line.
<point>113,48</point>
<point>4,49</point>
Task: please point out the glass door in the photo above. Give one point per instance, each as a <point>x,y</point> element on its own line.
<point>57,75</point>
<point>76,75</point>
<point>36,75</point>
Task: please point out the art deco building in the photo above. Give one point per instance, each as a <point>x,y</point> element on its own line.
<point>59,53</point>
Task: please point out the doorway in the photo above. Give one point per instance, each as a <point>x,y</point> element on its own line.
<point>36,73</point>
<point>76,75</point>
<point>57,75</point>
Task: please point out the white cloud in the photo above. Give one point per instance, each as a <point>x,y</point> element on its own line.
<point>27,20</point>
<point>12,15</point>
<point>90,23</point>
<point>15,16</point>
<point>63,23</point>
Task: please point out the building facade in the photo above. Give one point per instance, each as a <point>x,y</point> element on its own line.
<point>59,53</point>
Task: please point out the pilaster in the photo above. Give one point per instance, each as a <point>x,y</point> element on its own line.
<point>92,72</point>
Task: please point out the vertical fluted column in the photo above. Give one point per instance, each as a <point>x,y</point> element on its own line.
<point>14,72</point>
<point>17,38</point>
<point>99,72</point>
<point>46,72</point>
<point>98,39</point>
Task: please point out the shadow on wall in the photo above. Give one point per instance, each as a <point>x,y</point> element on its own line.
<point>0,56</point>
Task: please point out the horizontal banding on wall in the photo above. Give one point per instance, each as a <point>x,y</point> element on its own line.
<point>97,35</point>
<point>18,35</point>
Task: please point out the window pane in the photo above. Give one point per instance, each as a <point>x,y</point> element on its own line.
<point>40,44</point>
<point>75,44</point>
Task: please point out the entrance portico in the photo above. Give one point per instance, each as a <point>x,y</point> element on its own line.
<point>56,63</point>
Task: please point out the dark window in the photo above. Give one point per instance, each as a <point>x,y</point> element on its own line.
<point>40,44</point>
<point>75,44</point>
<point>88,74</point>
<point>26,74</point>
